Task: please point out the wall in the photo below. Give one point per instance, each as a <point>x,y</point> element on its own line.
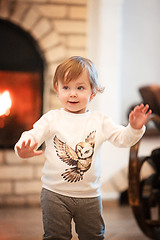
<point>124,43</point>
<point>140,49</point>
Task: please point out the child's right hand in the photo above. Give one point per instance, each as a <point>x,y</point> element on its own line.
<point>27,151</point>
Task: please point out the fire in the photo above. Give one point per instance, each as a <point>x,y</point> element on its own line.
<point>5,103</point>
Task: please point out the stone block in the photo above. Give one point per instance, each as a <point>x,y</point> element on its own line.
<point>50,40</point>
<point>76,52</point>
<point>53,11</point>
<point>76,41</point>
<point>16,172</point>
<point>19,12</point>
<point>4,13</point>
<point>30,18</point>
<point>56,53</point>
<point>5,188</point>
<point>14,201</point>
<point>42,27</point>
<point>11,158</point>
<point>28,187</point>
<point>77,12</point>
<point>70,26</point>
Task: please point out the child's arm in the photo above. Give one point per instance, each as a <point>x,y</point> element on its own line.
<point>30,140</point>
<point>139,116</point>
<point>27,151</point>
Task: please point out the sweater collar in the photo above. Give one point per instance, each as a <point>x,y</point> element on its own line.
<point>75,114</point>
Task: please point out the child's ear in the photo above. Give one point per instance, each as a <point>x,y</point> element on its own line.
<point>93,94</point>
<point>55,88</point>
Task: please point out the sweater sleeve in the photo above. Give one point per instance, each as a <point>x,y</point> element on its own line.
<point>119,135</point>
<point>39,133</point>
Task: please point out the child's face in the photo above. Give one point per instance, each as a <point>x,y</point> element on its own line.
<point>76,94</point>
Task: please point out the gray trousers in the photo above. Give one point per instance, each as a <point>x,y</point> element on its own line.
<point>58,212</point>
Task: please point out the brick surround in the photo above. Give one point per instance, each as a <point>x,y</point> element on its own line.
<point>60,29</point>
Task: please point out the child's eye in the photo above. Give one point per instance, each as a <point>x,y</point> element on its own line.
<point>65,87</point>
<point>80,88</point>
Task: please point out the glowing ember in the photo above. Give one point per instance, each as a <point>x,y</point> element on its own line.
<point>5,103</point>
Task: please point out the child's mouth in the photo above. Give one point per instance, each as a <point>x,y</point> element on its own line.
<point>72,102</point>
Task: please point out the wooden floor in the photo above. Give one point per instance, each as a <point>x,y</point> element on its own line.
<point>26,224</point>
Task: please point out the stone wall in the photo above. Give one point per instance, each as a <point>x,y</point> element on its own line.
<point>20,180</point>
<point>60,29</point>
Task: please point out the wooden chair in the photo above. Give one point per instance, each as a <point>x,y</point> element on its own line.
<point>151,95</point>
<point>144,196</point>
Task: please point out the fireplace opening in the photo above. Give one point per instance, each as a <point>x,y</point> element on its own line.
<point>21,82</point>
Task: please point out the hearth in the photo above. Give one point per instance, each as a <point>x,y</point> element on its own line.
<point>21,83</point>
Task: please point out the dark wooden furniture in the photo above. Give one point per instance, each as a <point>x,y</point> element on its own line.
<point>151,96</point>
<point>144,196</point>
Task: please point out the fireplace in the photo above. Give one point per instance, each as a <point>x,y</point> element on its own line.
<point>35,37</point>
<point>21,83</point>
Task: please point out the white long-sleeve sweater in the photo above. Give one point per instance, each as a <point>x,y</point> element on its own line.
<point>73,141</point>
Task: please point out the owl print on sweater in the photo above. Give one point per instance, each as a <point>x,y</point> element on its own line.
<point>80,158</point>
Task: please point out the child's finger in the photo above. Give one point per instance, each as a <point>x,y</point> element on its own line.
<point>33,146</point>
<point>141,106</point>
<point>146,107</point>
<point>18,148</point>
<point>37,153</point>
<point>135,109</point>
<point>138,108</point>
<point>23,144</point>
<point>148,113</point>
<point>131,116</point>
<point>28,143</point>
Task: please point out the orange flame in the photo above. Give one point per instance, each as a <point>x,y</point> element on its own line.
<point>5,103</point>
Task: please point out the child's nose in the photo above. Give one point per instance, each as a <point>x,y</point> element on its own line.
<point>73,93</point>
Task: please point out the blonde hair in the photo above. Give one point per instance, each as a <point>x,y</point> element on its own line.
<point>72,68</point>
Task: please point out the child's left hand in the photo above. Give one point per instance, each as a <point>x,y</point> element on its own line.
<point>139,116</point>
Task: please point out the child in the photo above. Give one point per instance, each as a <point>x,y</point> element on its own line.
<point>73,136</point>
